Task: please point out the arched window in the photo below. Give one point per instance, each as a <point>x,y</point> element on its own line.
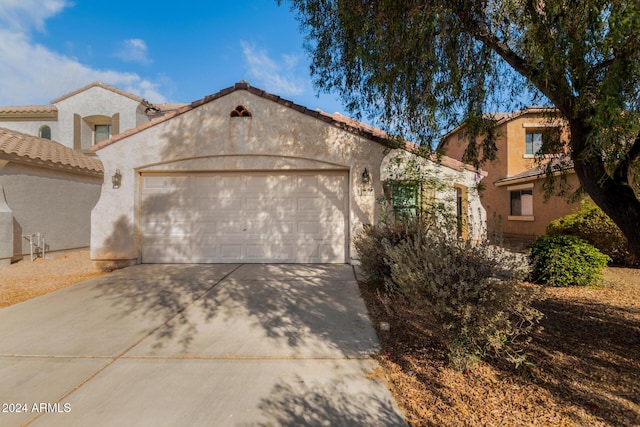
<point>45,132</point>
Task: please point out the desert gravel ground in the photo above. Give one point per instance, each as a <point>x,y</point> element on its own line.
<point>24,279</point>
<point>584,370</point>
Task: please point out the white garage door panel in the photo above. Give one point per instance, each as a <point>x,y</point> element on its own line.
<point>260,217</point>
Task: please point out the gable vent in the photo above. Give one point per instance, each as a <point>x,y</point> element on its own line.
<point>240,111</point>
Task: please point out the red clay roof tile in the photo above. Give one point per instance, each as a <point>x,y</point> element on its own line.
<point>556,164</point>
<point>41,109</point>
<point>30,149</point>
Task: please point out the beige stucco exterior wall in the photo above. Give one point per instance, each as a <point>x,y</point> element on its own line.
<point>32,127</point>
<point>95,101</point>
<point>6,225</point>
<point>511,160</point>
<point>490,201</point>
<point>544,212</point>
<point>516,132</point>
<point>48,201</point>
<point>206,138</point>
<point>516,136</point>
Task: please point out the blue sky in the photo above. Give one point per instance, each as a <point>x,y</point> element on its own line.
<point>163,51</point>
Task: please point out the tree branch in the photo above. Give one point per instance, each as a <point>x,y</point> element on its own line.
<point>621,173</point>
<point>593,72</point>
<point>561,96</point>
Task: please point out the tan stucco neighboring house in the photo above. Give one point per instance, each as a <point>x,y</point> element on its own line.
<point>514,197</point>
<point>246,176</point>
<point>84,117</point>
<point>45,188</point>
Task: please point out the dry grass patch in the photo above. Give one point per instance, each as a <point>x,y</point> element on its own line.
<point>585,368</point>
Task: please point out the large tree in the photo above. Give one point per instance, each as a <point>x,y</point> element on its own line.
<point>418,66</point>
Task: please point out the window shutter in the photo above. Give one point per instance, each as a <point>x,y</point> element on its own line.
<point>77,132</point>
<point>115,124</point>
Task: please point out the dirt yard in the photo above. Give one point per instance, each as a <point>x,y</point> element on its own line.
<point>25,279</point>
<point>586,360</point>
<point>585,372</point>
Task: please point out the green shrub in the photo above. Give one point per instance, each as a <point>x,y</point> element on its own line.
<point>590,223</point>
<point>562,260</point>
<point>473,292</point>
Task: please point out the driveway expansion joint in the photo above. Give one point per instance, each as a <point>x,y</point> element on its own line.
<point>260,339</point>
<point>128,349</point>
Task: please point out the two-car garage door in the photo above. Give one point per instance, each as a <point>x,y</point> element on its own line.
<point>298,217</point>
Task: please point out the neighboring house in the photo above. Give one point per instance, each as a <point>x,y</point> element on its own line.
<point>45,188</point>
<point>84,117</point>
<point>245,176</point>
<point>514,195</point>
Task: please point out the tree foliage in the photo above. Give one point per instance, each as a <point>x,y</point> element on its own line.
<point>421,67</point>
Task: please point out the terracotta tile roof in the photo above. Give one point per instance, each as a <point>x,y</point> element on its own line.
<point>455,164</point>
<point>354,124</point>
<point>29,109</point>
<point>557,164</point>
<point>157,110</point>
<point>336,119</point>
<point>165,107</point>
<point>507,117</point>
<point>23,148</point>
<point>32,111</point>
<point>103,86</point>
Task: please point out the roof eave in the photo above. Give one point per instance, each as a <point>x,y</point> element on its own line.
<point>348,125</point>
<point>27,116</point>
<point>103,86</point>
<point>14,158</point>
<point>518,180</point>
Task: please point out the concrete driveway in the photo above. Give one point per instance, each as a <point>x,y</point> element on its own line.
<point>195,345</point>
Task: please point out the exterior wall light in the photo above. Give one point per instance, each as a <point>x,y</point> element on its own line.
<point>365,176</point>
<point>116,179</point>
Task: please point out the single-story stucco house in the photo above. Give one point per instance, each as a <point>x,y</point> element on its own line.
<point>246,176</point>
<point>45,188</point>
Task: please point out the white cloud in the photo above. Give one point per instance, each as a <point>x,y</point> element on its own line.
<point>22,15</point>
<point>146,89</point>
<point>34,74</point>
<point>274,76</point>
<point>134,50</point>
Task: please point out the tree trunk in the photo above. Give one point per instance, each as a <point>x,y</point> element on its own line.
<point>615,199</point>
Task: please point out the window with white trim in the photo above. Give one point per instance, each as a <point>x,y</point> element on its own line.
<point>533,143</point>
